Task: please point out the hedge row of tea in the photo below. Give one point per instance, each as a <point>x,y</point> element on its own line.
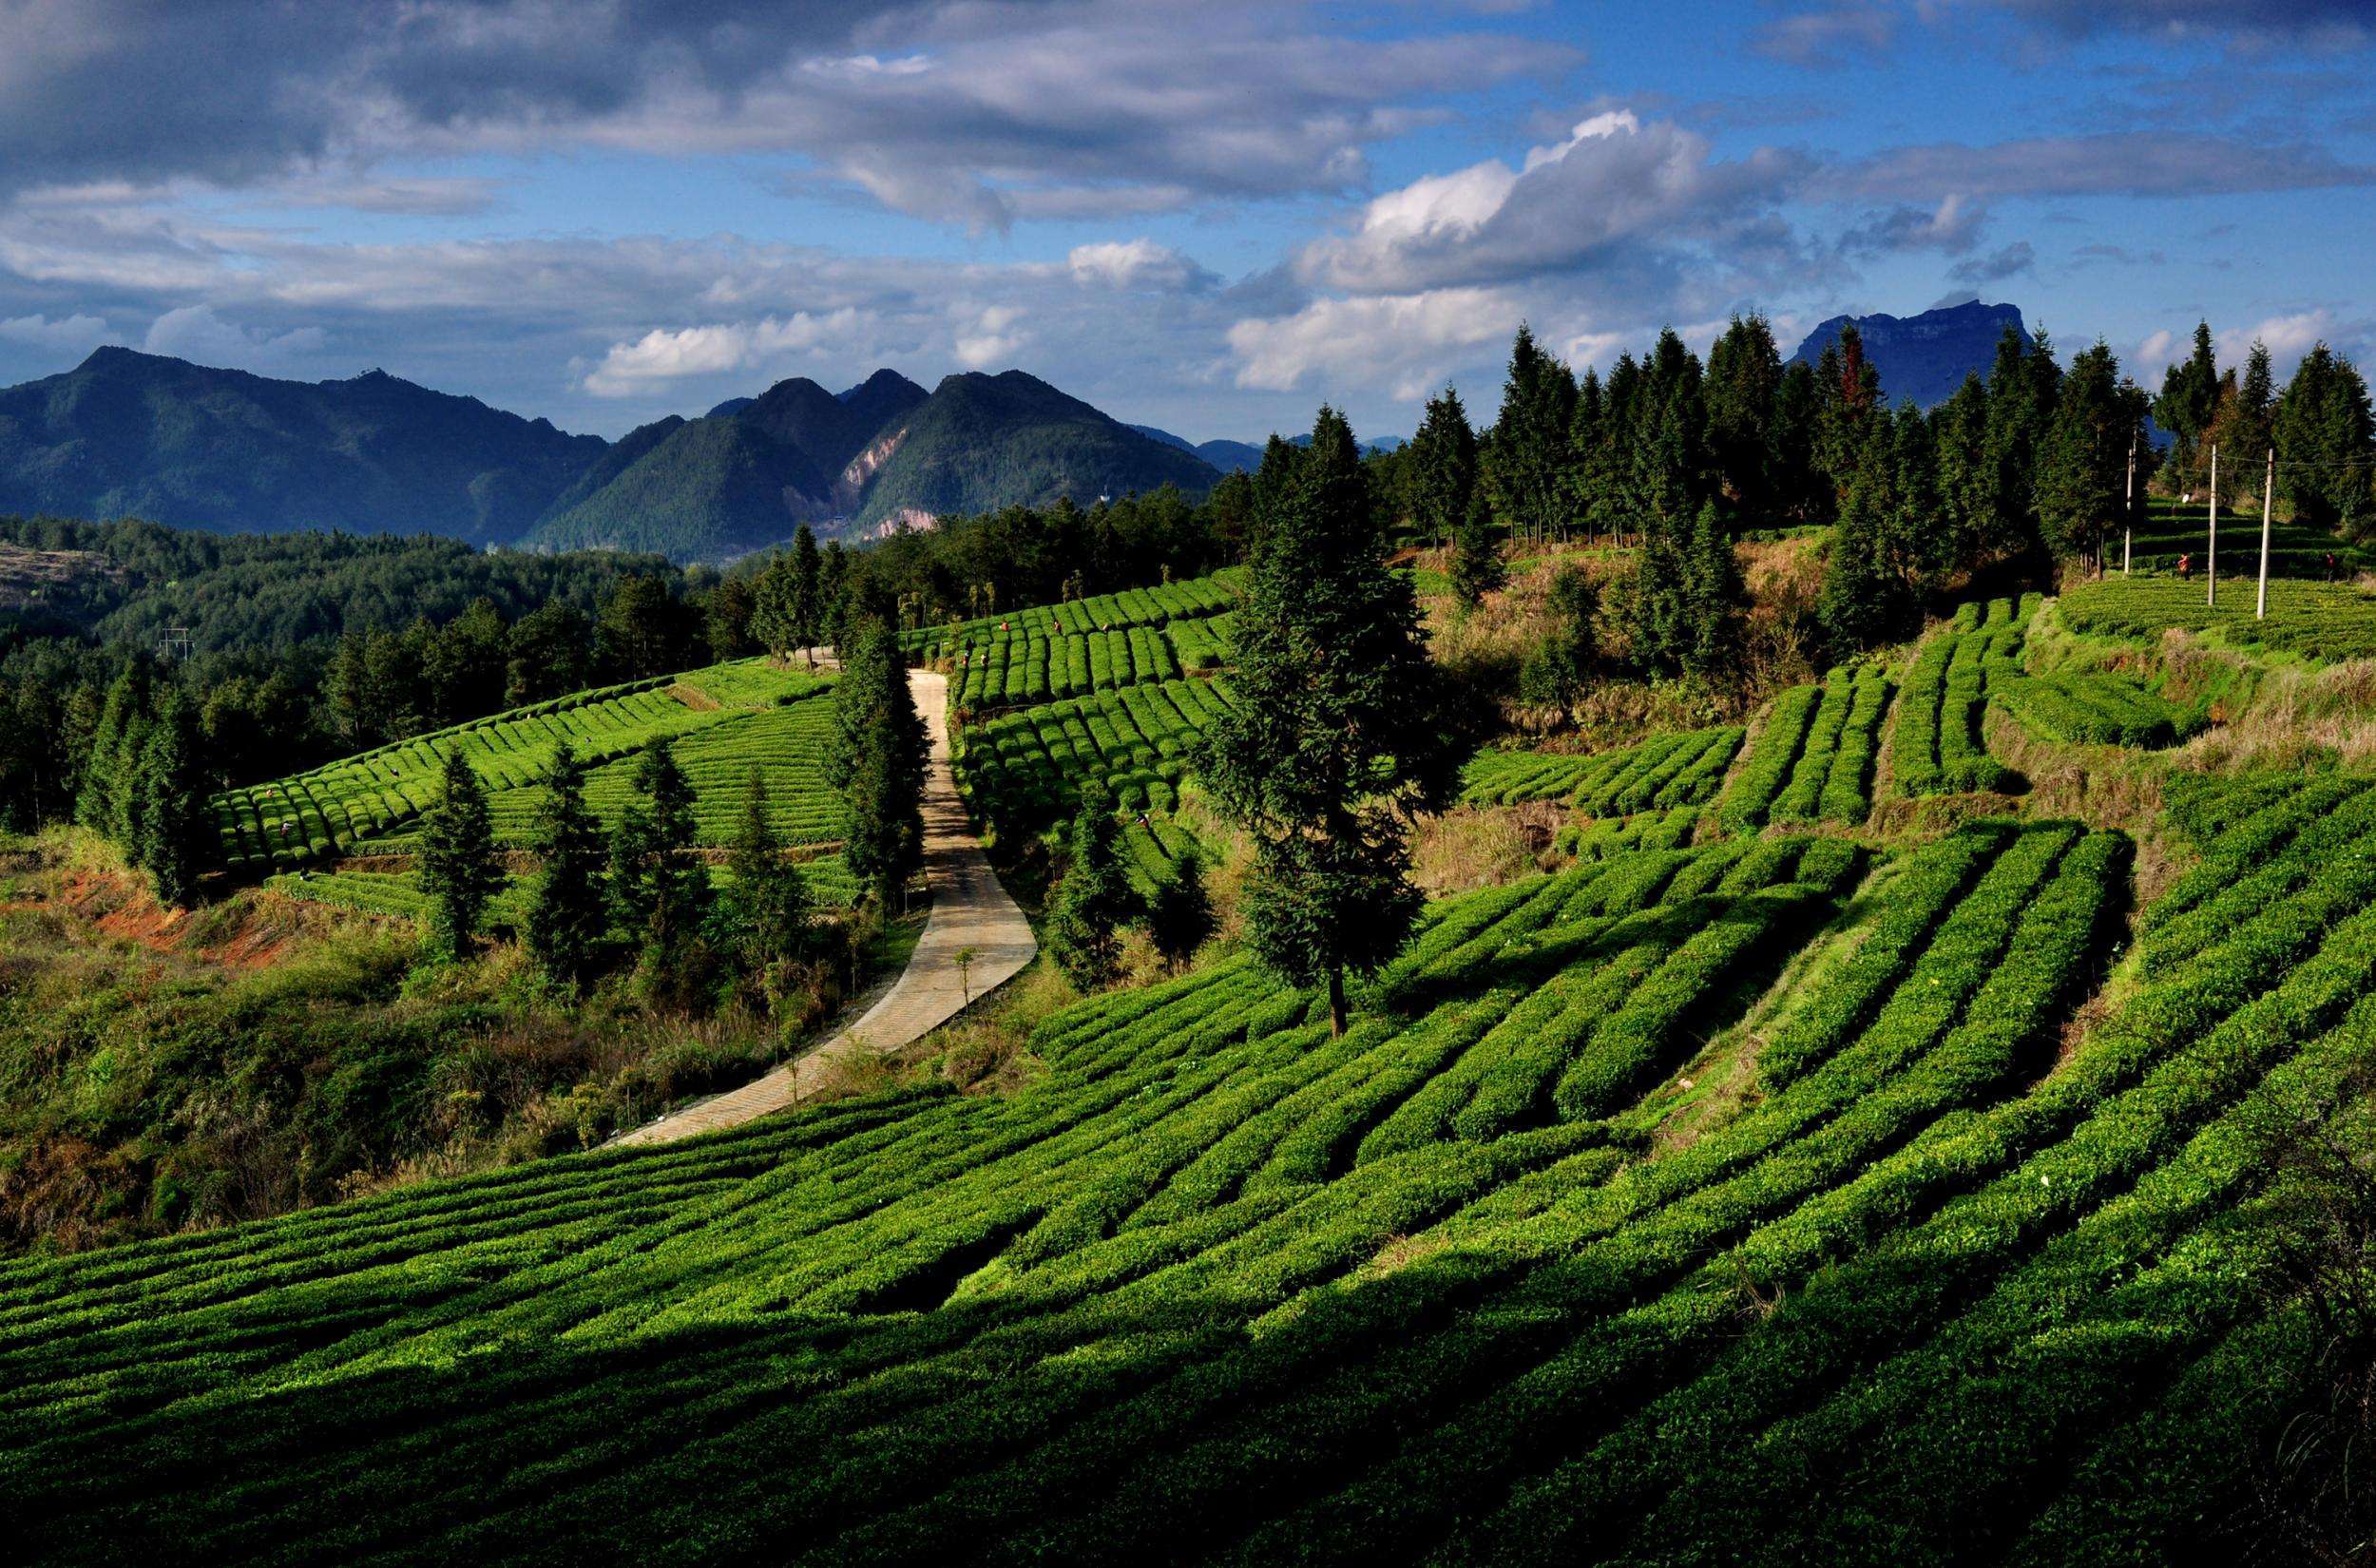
<point>1195,598</point>
<point>1666,771</point>
<point>397,895</point>
<point>1813,757</point>
<point>1023,770</point>
<point>2322,620</point>
<point>1015,671</point>
<point>1217,1288</point>
<point>334,808</point>
<point>1936,748</point>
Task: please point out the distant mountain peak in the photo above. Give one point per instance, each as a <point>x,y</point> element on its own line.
<point>1925,356</point>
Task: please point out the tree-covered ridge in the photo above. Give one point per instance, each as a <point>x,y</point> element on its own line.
<point>128,434</point>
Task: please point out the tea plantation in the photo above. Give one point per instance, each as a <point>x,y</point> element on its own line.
<point>1756,1185</point>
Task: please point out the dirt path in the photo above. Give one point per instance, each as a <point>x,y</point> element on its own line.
<point>969,909</point>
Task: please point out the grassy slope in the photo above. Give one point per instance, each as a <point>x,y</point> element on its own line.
<point>1938,1279</point>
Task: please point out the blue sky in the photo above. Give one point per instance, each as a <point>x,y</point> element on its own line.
<point>1207,216</point>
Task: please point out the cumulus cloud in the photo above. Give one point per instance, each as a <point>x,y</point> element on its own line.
<point>663,356</point>
<point>1613,182</point>
<point>1136,265</point>
<point>195,331</point>
<point>1409,341</point>
<point>69,337</point>
<point>994,336</point>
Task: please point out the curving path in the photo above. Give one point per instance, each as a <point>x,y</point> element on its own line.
<point>969,909</point>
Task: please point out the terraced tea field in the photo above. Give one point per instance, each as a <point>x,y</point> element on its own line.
<point>335,807</point>
<point>2317,621</point>
<point>2095,708</point>
<point>1663,771</point>
<point>1011,672</point>
<point>1198,597</point>
<point>1936,748</point>
<point>1813,757</point>
<point>1024,769</point>
<point>1219,1287</point>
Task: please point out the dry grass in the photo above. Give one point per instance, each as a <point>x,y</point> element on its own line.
<point>1471,847</point>
<point>2295,719</point>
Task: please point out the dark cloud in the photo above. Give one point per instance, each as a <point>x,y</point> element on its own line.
<point>1996,266</point>
<point>2110,163</point>
<point>971,111</point>
<point>1952,226</point>
<point>1831,36</point>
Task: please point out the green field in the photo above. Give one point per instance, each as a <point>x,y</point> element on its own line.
<point>334,808</point>
<point>1813,757</point>
<point>1938,748</point>
<point>1198,597</point>
<point>1024,769</point>
<point>1664,770</point>
<point>2294,549</point>
<point>1217,1288</point>
<point>2319,621</point>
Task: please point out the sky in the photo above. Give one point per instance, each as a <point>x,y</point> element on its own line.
<point>1198,213</point>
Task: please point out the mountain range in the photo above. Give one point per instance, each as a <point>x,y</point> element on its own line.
<point>1927,356</point>
<point>135,434</point>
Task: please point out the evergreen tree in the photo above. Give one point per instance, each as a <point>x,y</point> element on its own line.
<point>677,884</point>
<point>832,594</point>
<point>2243,429</point>
<point>878,760</point>
<point>1526,463</point>
<point>1335,734</point>
<point>1441,464</point>
<point>1609,467</point>
<point>1965,478</point>
<point>1558,670</point>
<point>2083,466</point>
<point>1180,915</point>
<point>806,601</point>
<point>1802,492</point>
<point>549,653</point>
<point>1585,432</point>
<point>102,803</point>
<point>1743,385</point>
<point>1850,391</point>
<point>176,835</point>
<point>2190,399</point>
<point>1864,603</point>
<point>1476,554</point>
<point>767,905</point>
<point>1672,473</point>
<point>1093,898</point>
<point>771,608</point>
<point>2326,444</point>
<point>459,871</point>
<point>566,918</point>
<point>2024,384</point>
<point>1715,600</point>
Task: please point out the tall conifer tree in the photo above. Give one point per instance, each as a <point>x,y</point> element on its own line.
<point>1336,732</point>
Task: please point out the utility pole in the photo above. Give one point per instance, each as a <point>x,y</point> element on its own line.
<point>2128,510</point>
<point>2267,484</point>
<point>2212,575</point>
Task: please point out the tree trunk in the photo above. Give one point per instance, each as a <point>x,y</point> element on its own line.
<point>1337,1003</point>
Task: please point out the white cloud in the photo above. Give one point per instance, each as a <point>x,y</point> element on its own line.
<point>70,337</point>
<point>1136,265</point>
<point>2289,338</point>
<point>1408,342</point>
<point>992,337</point>
<point>196,333</point>
<point>661,356</point>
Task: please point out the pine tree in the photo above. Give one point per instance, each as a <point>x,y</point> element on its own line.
<point>1440,462</point>
<point>1714,598</point>
<point>1476,554</point>
<point>878,760</point>
<point>677,883</point>
<point>2023,384</point>
<point>1864,603</point>
<point>2325,442</point>
<point>832,594</point>
<point>1744,381</point>
<point>1964,476</point>
<point>805,603</point>
<point>1802,492</point>
<point>1336,732</point>
<point>2083,465</point>
<point>1672,474</point>
<point>771,608</point>
<point>1585,432</point>
<point>459,871</point>
<point>1093,899</point>
<point>1180,915</point>
<point>1526,462</point>
<point>2190,399</point>
<point>567,920</point>
<point>766,905</point>
<point>102,804</point>
<point>1608,468</point>
<point>1558,670</point>
<point>175,834</point>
